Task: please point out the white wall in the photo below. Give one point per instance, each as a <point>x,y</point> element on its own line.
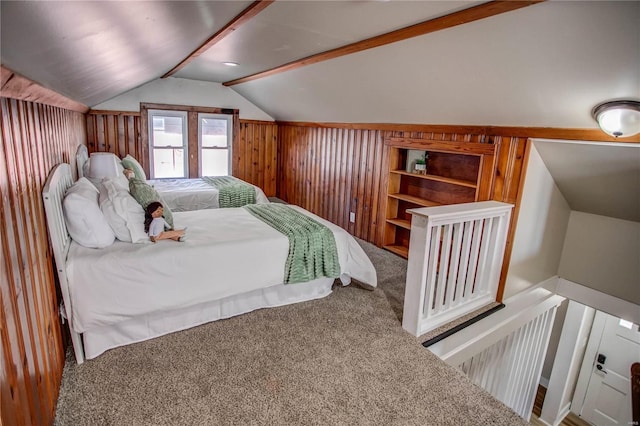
<point>179,91</point>
<point>603,253</point>
<point>542,224</point>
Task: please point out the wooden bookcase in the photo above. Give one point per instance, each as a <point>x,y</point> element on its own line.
<point>457,172</point>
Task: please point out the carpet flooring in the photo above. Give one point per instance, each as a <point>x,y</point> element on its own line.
<point>340,360</point>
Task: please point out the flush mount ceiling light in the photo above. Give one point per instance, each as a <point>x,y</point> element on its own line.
<point>618,118</point>
<point>231,64</point>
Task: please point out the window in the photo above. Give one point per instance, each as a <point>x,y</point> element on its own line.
<point>168,144</point>
<point>189,141</point>
<point>214,144</point>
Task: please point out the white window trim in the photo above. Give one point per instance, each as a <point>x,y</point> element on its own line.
<point>185,137</point>
<point>229,147</point>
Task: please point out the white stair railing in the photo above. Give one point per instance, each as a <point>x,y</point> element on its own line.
<point>455,258</point>
<point>504,353</point>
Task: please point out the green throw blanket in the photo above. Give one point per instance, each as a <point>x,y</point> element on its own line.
<point>312,247</point>
<point>233,191</point>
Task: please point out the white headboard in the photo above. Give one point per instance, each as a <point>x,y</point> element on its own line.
<point>82,155</point>
<point>59,180</point>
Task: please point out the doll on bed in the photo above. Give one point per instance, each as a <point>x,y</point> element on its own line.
<point>157,227</point>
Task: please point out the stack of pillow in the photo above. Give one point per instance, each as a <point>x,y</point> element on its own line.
<point>98,213</point>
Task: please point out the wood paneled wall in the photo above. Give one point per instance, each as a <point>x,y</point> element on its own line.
<point>254,154</point>
<point>335,171</point>
<point>35,137</point>
<point>114,131</point>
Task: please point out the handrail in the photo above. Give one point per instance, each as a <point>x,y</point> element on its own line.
<point>455,258</point>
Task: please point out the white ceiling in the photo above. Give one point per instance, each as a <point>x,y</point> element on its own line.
<point>596,178</point>
<point>545,65</point>
<point>290,30</point>
<point>91,51</point>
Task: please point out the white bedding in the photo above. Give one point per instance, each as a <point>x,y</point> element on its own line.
<point>228,252</point>
<point>193,194</point>
<point>180,194</point>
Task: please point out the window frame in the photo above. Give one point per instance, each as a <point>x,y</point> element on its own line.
<point>193,170</point>
<point>185,140</point>
<point>229,148</point>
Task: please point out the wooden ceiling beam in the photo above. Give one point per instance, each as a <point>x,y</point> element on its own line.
<point>471,14</point>
<point>244,17</point>
<point>15,86</point>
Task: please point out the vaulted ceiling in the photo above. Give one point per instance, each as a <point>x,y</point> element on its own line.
<point>543,64</point>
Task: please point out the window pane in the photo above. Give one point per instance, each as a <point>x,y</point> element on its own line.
<point>167,131</point>
<point>214,133</point>
<point>168,163</point>
<point>215,162</point>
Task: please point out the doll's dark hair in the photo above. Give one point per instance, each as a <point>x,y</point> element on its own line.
<point>151,207</point>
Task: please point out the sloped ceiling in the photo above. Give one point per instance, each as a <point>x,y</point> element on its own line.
<point>596,178</point>
<point>544,65</point>
<point>91,51</point>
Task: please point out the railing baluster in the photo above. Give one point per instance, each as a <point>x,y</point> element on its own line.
<point>455,256</point>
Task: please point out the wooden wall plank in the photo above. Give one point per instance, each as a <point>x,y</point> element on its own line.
<point>255,148</point>
<point>335,170</point>
<point>35,137</point>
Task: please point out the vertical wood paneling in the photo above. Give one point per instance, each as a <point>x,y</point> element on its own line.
<point>116,132</point>
<point>351,174</point>
<point>258,150</point>
<point>35,137</point>
<point>254,157</point>
<point>333,171</point>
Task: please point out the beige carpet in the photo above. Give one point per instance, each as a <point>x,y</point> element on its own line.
<point>341,360</point>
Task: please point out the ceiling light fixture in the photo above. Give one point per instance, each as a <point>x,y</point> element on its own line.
<point>231,64</point>
<point>618,118</point>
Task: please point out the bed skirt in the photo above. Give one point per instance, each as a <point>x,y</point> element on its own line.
<point>98,340</point>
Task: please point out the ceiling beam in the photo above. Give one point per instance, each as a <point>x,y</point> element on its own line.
<point>15,86</point>
<point>244,17</point>
<point>471,14</point>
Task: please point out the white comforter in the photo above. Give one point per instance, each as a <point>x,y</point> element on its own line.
<point>227,252</point>
<point>193,194</point>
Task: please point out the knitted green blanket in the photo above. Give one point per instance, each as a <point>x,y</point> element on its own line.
<point>312,247</point>
<point>233,191</point>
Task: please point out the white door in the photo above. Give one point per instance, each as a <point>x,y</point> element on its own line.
<point>608,395</point>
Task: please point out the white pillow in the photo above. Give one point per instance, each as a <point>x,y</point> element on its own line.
<point>85,222</point>
<point>123,213</point>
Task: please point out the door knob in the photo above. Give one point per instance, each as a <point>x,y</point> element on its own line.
<point>600,368</point>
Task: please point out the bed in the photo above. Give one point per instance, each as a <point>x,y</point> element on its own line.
<point>178,194</point>
<point>126,293</point>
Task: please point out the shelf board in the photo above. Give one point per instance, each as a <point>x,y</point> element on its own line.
<point>403,223</point>
<point>399,250</point>
<point>415,200</point>
<point>451,181</point>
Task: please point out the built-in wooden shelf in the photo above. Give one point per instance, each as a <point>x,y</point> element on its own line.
<point>415,200</point>
<point>403,223</point>
<point>399,250</point>
<point>437,178</point>
<point>458,172</point>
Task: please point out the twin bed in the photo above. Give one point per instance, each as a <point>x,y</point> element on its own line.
<point>232,263</point>
<point>178,194</point>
